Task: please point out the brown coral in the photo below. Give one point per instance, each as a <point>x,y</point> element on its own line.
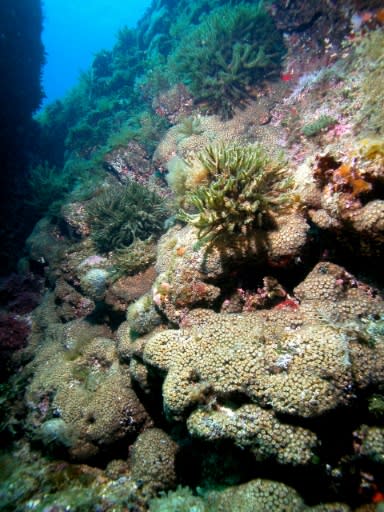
<point>153,459</point>
<point>86,390</point>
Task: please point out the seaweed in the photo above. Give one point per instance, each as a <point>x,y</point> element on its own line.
<point>231,50</point>
<point>370,61</point>
<point>243,187</point>
<point>320,124</point>
<point>120,215</point>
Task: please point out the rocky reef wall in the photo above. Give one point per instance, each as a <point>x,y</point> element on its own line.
<point>21,60</point>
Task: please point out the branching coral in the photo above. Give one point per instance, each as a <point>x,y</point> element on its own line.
<point>228,52</point>
<point>243,187</point>
<point>122,214</point>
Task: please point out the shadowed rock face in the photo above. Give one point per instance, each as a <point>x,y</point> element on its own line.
<point>21,60</point>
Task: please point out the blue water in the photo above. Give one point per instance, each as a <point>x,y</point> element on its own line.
<point>74,30</point>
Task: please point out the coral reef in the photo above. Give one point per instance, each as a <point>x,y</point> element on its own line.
<point>344,196</point>
<point>14,336</point>
<point>371,50</point>
<point>21,293</point>
<point>135,258</point>
<point>142,315</point>
<point>257,495</point>
<point>211,333</point>
<point>153,461</point>
<point>250,427</point>
<point>128,289</point>
<point>301,362</point>
<point>83,400</point>
<point>190,274</point>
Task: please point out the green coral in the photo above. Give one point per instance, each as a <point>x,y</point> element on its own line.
<point>243,187</point>
<point>255,496</point>
<point>376,405</point>
<point>182,500</point>
<point>227,53</point>
<point>122,214</point>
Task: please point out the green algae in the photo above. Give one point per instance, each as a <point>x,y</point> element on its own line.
<point>320,124</point>
<point>370,61</point>
<point>243,187</point>
<point>230,50</point>
<point>134,258</point>
<point>119,215</point>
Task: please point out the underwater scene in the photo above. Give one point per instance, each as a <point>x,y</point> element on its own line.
<point>196,322</point>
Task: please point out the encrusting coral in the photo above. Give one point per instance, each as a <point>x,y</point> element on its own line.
<point>254,496</point>
<point>190,273</point>
<point>301,360</point>
<point>370,50</point>
<point>343,195</point>
<point>248,348</point>
<point>153,460</point>
<point>82,402</point>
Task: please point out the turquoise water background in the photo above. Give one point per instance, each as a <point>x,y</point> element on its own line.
<point>75,30</point>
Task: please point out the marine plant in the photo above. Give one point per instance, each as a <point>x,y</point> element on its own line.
<point>152,128</point>
<point>243,186</point>
<point>233,48</point>
<point>119,215</point>
<point>84,136</point>
<point>143,127</point>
